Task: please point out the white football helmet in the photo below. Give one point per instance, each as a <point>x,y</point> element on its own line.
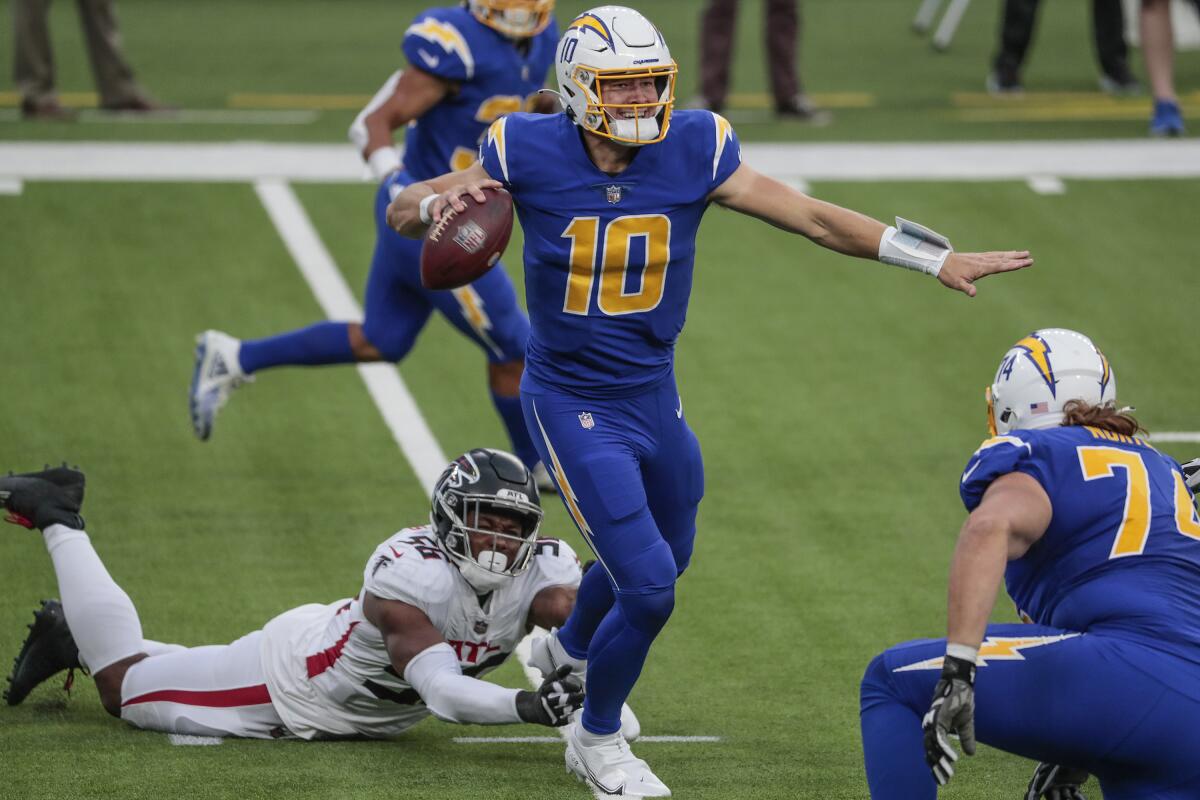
<point>1041,373</point>
<point>606,44</point>
<point>519,19</point>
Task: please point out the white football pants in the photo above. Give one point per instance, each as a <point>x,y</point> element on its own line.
<point>217,690</point>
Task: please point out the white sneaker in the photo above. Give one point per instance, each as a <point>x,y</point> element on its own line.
<point>541,476</point>
<point>610,767</point>
<point>217,373</point>
<point>546,654</point>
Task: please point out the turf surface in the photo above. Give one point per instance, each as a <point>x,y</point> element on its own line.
<point>836,402</point>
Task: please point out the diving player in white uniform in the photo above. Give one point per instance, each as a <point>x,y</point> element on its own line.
<point>440,606</point>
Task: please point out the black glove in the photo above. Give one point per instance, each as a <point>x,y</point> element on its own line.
<point>952,711</point>
<point>1191,475</point>
<point>554,701</point>
<point>1052,782</point>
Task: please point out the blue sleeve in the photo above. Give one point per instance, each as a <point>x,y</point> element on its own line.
<point>996,457</point>
<point>726,153</point>
<point>438,47</point>
<point>494,151</point>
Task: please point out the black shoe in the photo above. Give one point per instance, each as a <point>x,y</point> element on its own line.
<point>48,650</point>
<point>47,111</point>
<point>1120,83</point>
<point>41,499</point>
<point>801,109</point>
<point>1004,82</point>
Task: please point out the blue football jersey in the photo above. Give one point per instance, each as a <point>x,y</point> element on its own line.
<point>494,77</point>
<point>608,259</point>
<point>1122,552</point>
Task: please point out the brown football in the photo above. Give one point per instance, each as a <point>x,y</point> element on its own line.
<point>466,244</point>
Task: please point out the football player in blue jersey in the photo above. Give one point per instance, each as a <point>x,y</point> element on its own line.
<point>610,195</point>
<point>1097,538</point>
<point>468,66</point>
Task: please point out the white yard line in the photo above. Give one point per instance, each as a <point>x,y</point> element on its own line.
<point>1046,184</point>
<point>182,740</point>
<point>1175,436</point>
<point>557,740</point>
<point>338,163</point>
<point>395,403</point>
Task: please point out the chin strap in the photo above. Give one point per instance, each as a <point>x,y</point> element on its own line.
<point>562,101</point>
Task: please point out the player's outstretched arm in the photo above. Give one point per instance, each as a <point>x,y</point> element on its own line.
<point>851,233</point>
<point>421,204</point>
<point>1013,514</point>
<point>405,96</point>
<point>418,651</point>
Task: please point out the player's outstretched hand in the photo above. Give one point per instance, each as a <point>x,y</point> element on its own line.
<point>961,270</point>
<point>952,711</point>
<point>554,701</point>
<point>1053,782</point>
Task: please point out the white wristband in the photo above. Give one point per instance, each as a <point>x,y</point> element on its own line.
<point>423,209</point>
<point>383,162</point>
<point>915,247</point>
<point>963,651</point>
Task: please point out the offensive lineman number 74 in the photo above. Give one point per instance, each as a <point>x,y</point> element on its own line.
<point>1099,462</point>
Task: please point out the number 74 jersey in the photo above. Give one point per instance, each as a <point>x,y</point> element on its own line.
<point>1122,552</point>
<point>608,258</point>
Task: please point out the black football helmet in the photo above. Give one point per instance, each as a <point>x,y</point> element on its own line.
<point>480,482</point>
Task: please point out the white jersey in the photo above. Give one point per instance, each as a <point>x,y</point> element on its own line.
<point>328,671</point>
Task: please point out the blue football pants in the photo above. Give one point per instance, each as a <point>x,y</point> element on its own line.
<point>630,473</point>
<point>1089,701</point>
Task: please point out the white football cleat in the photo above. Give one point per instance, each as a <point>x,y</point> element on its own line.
<point>217,373</point>
<point>546,655</point>
<point>610,767</point>
<point>541,476</point>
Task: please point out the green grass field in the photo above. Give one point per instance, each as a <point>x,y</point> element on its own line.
<point>836,402</point>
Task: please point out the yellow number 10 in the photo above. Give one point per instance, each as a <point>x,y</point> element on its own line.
<point>613,300</point>
<point>1099,462</point>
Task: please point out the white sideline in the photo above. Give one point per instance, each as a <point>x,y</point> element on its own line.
<point>11,186</point>
<point>1175,436</point>
<point>383,381</point>
<point>872,161</point>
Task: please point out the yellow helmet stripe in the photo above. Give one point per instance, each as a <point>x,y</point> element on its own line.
<point>1038,352</point>
<point>592,22</point>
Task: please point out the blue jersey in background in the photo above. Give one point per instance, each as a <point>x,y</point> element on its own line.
<point>494,76</point>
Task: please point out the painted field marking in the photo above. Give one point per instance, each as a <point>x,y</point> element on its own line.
<point>1046,184</point>
<point>214,116</point>
<point>558,740</point>
<point>1174,436</point>
<point>387,388</point>
<point>872,162</point>
<point>182,740</point>
<point>11,186</point>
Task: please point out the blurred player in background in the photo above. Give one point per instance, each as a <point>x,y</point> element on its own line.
<point>440,606</point>
<point>1098,540</point>
<point>468,66</point>
<point>610,195</point>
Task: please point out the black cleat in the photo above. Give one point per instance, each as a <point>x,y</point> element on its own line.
<point>48,650</point>
<point>41,499</point>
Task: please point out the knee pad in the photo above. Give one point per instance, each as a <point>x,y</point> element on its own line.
<point>647,611</point>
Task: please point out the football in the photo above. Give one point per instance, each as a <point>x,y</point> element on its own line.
<point>465,244</point>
